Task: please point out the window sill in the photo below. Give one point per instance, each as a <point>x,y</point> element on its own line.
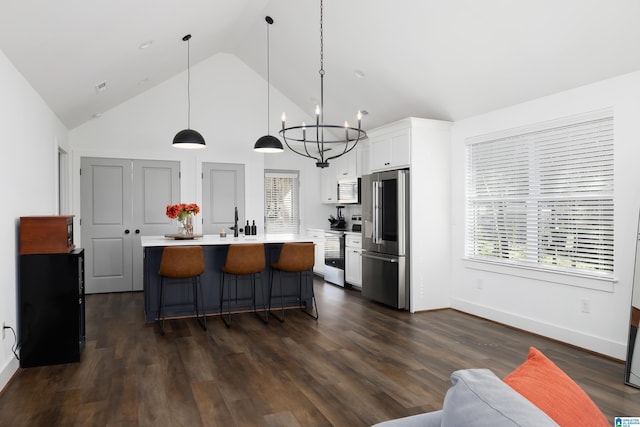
<point>589,281</point>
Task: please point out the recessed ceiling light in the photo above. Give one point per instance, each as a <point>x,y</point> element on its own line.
<point>146,44</point>
<point>359,74</point>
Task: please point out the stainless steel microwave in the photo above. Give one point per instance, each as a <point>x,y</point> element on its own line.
<point>349,190</point>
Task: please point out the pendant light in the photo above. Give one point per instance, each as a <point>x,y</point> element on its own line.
<point>188,138</point>
<point>308,143</point>
<point>268,143</point>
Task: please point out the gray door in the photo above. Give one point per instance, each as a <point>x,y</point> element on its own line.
<point>222,191</point>
<point>156,184</point>
<point>121,199</point>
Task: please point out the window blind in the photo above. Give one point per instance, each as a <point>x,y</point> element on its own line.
<point>281,202</point>
<point>544,197</point>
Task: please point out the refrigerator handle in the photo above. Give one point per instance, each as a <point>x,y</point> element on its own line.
<point>376,212</point>
<point>380,258</point>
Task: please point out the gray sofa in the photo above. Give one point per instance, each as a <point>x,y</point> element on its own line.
<point>478,398</point>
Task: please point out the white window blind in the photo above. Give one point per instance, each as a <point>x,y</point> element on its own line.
<point>281,201</point>
<point>544,197</point>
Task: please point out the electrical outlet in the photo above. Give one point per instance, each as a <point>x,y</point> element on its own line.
<point>585,305</point>
<point>3,329</point>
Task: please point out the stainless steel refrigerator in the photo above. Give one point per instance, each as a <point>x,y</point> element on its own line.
<point>385,237</point>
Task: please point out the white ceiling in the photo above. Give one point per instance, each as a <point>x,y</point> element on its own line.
<point>441,59</point>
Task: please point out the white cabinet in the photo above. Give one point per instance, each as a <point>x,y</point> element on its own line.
<point>328,184</point>
<point>347,165</point>
<point>353,259</point>
<point>318,238</point>
<point>364,159</point>
<point>390,149</point>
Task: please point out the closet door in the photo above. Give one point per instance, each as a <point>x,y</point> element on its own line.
<point>120,200</point>
<point>222,191</point>
<point>156,184</point>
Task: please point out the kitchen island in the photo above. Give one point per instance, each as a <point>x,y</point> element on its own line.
<point>178,296</point>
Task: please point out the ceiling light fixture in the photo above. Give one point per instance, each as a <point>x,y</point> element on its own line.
<point>298,134</point>
<point>268,143</point>
<point>188,138</point>
<point>145,45</point>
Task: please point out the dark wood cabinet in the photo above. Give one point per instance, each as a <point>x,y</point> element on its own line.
<point>52,310</point>
<point>46,234</point>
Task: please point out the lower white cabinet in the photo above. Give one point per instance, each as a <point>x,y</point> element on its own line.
<point>318,238</point>
<point>353,260</point>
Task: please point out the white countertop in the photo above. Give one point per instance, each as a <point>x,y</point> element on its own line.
<point>214,239</point>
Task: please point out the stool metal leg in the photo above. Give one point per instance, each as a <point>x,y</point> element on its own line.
<point>273,271</point>
<point>226,321</point>
<point>161,306</point>
<point>196,285</point>
<point>264,319</point>
<point>313,298</point>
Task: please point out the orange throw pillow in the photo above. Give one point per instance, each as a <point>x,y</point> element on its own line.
<point>550,389</point>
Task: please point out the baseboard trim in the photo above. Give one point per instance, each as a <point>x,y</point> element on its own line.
<point>7,373</point>
<point>605,347</point>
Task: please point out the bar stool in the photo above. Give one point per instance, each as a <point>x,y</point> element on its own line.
<point>244,260</point>
<point>181,262</point>
<point>294,258</point>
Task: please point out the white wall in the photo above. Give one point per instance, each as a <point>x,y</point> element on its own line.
<point>28,170</point>
<point>538,303</point>
<point>228,107</point>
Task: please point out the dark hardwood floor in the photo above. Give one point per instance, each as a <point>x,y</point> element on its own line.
<point>361,363</point>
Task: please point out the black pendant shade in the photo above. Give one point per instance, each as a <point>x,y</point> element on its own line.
<point>188,138</point>
<point>268,144</point>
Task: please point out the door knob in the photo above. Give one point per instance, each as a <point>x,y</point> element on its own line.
<point>137,231</point>
<point>126,231</point>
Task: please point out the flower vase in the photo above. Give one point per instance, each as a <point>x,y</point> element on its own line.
<point>185,226</point>
<point>188,225</point>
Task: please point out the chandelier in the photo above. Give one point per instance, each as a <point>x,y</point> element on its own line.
<point>309,139</point>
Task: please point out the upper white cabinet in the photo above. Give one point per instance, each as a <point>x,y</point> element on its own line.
<point>390,148</point>
<point>328,184</point>
<point>347,165</point>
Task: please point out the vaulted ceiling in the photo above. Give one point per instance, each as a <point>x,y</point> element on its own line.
<point>441,59</point>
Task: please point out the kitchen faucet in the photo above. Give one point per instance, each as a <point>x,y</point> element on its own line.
<point>235,223</point>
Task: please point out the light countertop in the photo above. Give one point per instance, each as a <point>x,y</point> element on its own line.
<point>214,239</point>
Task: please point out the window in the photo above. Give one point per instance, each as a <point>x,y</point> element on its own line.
<point>543,196</point>
<point>281,201</point>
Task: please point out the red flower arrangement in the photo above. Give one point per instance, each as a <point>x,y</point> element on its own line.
<point>182,210</point>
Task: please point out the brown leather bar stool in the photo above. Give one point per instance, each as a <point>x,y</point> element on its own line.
<point>181,262</point>
<point>244,260</point>
<point>294,258</point>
